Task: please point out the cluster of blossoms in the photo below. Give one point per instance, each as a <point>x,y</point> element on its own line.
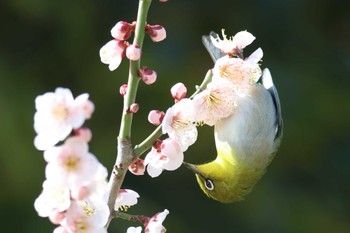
<point>232,78</point>
<point>74,195</point>
<point>113,52</point>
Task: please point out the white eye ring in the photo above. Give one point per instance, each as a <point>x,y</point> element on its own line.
<point>208,183</point>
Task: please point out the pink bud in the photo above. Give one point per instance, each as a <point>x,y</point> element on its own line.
<point>122,30</point>
<point>84,133</point>
<point>80,193</point>
<point>137,167</point>
<point>148,76</point>
<point>123,88</point>
<point>134,108</point>
<point>163,0</point>
<point>178,91</point>
<point>133,52</point>
<point>155,117</point>
<point>56,217</point>
<point>112,53</point>
<point>156,32</point>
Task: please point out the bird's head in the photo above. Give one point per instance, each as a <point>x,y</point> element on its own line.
<point>218,183</point>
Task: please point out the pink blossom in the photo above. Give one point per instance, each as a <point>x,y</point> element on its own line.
<point>133,52</point>
<point>54,198</point>
<point>241,73</point>
<point>217,101</point>
<point>122,30</point>
<point>148,76</point>
<point>156,32</point>
<point>85,217</point>
<point>168,156</point>
<point>235,44</point>
<point>178,91</point>
<point>112,53</point>
<point>178,123</point>
<point>71,163</point>
<point>57,114</point>
<point>156,117</point>
<point>137,167</point>
<point>155,224</point>
<point>125,199</point>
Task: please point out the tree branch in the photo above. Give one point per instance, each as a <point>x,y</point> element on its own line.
<point>124,153</point>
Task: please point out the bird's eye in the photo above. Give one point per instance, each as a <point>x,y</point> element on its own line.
<point>209,184</point>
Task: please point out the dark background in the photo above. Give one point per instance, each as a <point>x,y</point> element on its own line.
<point>45,44</point>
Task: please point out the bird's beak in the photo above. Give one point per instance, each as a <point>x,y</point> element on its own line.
<point>193,168</point>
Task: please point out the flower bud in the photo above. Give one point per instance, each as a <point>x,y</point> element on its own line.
<point>178,91</point>
<point>156,32</point>
<point>137,167</point>
<point>112,53</point>
<point>133,52</point>
<point>84,133</point>
<point>123,89</point>
<point>155,117</point>
<point>148,76</point>
<point>122,30</point>
<point>134,108</point>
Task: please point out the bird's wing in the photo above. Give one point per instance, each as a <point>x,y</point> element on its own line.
<point>214,52</point>
<point>271,88</point>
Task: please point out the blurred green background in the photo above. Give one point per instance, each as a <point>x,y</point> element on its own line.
<point>45,44</point>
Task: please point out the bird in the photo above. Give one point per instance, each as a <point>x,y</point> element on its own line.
<point>246,141</point>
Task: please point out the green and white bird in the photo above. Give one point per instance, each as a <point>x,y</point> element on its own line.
<point>246,141</point>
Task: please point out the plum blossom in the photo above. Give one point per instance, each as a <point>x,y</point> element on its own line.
<point>112,53</point>
<point>167,156</point>
<point>125,199</point>
<point>241,73</point>
<point>178,123</point>
<point>217,101</point>
<point>57,114</point>
<point>55,197</point>
<point>83,217</point>
<point>234,44</point>
<point>71,163</point>
<point>155,224</point>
